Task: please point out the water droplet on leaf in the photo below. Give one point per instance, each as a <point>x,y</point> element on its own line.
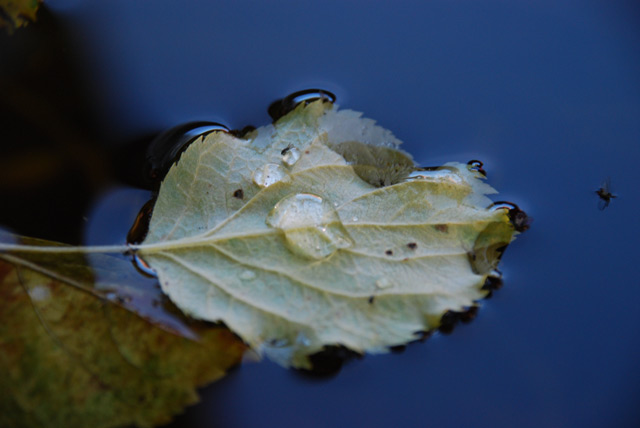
<point>440,175</point>
<point>247,275</point>
<point>40,293</point>
<point>311,226</point>
<point>383,283</point>
<point>290,156</point>
<point>269,174</point>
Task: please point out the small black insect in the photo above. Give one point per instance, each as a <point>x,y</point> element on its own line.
<point>286,149</point>
<point>389,253</point>
<point>604,192</point>
<point>412,245</point>
<point>371,299</point>
<point>239,194</point>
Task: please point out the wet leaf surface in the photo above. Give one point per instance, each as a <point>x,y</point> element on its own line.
<point>72,358</point>
<point>337,238</point>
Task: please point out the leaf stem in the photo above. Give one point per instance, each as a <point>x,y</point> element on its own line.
<point>17,248</point>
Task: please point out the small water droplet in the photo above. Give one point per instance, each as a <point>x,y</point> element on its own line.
<point>111,296</point>
<point>383,283</point>
<point>281,107</point>
<point>303,340</point>
<point>247,275</point>
<point>442,174</point>
<point>167,147</point>
<point>143,267</point>
<point>476,165</point>
<point>354,219</point>
<point>40,293</point>
<point>311,226</point>
<point>269,174</point>
<point>290,156</point>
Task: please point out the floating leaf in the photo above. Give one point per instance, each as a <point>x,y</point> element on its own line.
<point>345,243</point>
<point>70,358</point>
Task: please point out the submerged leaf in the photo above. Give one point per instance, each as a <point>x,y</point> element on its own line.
<point>69,358</point>
<point>348,244</point>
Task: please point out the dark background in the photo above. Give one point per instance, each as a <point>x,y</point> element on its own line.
<point>546,93</point>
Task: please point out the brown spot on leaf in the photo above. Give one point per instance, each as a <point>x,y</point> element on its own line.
<point>442,228</point>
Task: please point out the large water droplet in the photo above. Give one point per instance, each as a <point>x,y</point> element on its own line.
<point>290,156</point>
<point>268,174</point>
<point>311,226</point>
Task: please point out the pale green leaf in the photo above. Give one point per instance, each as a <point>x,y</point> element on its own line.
<point>318,231</point>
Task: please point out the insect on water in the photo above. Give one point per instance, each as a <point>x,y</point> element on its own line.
<point>604,192</point>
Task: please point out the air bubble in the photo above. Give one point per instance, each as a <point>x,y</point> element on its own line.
<point>311,226</point>
<point>269,174</point>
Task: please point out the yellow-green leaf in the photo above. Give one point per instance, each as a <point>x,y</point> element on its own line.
<point>319,231</point>
<point>69,358</point>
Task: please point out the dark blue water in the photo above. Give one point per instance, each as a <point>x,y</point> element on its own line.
<point>546,94</point>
